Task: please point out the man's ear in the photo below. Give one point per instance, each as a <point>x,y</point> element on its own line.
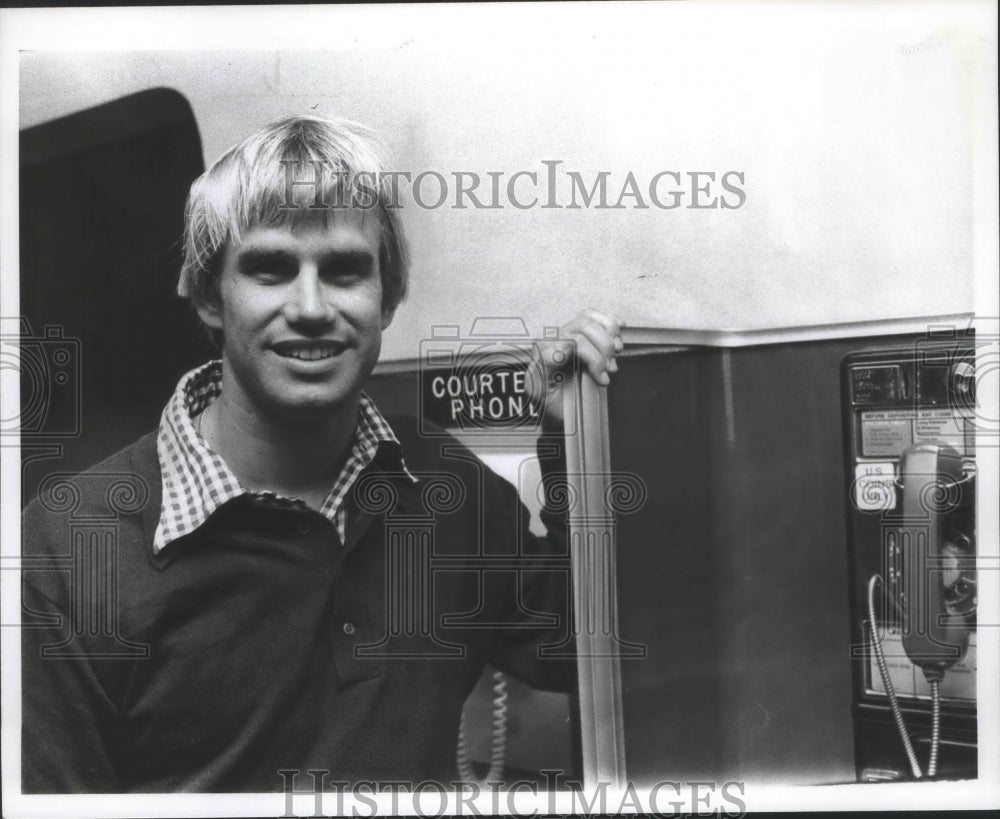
<point>387,315</point>
<point>209,311</point>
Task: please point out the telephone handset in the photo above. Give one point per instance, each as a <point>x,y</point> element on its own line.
<point>938,590</point>
<point>932,582</point>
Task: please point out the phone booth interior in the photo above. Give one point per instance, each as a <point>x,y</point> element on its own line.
<point>740,575</point>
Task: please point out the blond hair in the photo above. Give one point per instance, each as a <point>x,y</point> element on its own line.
<point>249,186</point>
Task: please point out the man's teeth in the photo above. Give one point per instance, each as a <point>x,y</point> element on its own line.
<point>311,353</point>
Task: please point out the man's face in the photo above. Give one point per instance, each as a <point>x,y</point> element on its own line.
<point>301,314</point>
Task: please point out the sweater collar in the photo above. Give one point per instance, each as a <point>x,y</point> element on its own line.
<point>196,481</point>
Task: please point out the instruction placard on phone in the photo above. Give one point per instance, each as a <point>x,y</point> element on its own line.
<point>885,434</point>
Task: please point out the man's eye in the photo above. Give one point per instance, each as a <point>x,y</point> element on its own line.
<point>347,274</point>
<point>269,274</point>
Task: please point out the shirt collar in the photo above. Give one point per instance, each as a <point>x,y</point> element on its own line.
<point>197,481</point>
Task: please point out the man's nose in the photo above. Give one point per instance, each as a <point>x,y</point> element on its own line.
<point>308,300</point>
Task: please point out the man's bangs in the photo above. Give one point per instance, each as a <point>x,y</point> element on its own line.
<point>295,189</point>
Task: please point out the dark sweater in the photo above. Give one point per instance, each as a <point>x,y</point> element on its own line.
<point>260,643</point>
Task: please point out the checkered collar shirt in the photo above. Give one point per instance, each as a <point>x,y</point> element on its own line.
<point>197,481</point>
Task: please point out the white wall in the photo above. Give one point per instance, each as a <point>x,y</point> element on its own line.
<point>854,127</point>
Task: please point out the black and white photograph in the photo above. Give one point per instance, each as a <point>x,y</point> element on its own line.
<point>500,409</point>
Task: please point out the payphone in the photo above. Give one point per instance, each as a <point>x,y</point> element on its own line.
<point>909,413</point>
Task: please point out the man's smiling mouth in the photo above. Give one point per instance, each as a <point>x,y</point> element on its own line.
<point>308,350</point>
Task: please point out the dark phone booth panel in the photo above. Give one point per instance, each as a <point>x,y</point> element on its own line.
<point>735,571</point>
<point>541,727</point>
<point>104,336</point>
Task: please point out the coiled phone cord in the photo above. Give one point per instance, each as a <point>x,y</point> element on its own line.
<point>498,740</point>
<point>935,726</point>
<point>883,671</point>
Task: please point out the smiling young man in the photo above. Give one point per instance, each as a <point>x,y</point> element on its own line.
<point>272,607</point>
<point>302,313</point>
